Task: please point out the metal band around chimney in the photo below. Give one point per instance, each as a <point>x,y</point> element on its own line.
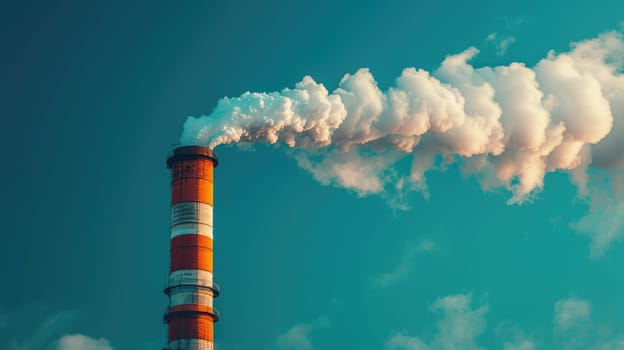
<point>195,344</point>
<point>190,295</point>
<point>191,228</point>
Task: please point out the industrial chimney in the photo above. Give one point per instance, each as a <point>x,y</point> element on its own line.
<point>191,315</point>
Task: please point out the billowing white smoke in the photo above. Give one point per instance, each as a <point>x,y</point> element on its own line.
<point>508,125</point>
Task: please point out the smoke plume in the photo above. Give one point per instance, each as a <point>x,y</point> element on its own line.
<point>507,125</point>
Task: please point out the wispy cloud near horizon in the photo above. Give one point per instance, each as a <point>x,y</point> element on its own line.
<point>462,324</point>
<point>299,336</point>
<point>33,327</point>
<point>458,328</point>
<point>82,342</point>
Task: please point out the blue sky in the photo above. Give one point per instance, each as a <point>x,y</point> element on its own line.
<point>94,96</point>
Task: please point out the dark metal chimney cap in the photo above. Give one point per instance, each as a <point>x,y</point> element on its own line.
<point>191,153</point>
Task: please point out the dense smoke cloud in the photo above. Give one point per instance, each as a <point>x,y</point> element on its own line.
<point>507,125</point>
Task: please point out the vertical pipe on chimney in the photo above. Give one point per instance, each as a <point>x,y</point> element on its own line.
<point>191,315</point>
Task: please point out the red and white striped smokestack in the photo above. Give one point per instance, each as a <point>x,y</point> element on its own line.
<point>191,315</point>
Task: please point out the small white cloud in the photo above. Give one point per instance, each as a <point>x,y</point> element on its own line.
<point>82,342</point>
<point>298,337</point>
<point>500,42</point>
<point>572,323</point>
<point>569,313</point>
<point>504,44</point>
<point>514,338</point>
<point>402,341</point>
<point>461,323</point>
<point>458,328</point>
<point>574,327</point>
<point>405,264</point>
